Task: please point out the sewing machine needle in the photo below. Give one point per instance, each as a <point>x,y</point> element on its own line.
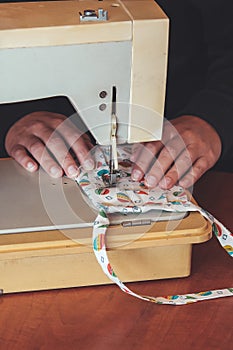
<point>113,153</point>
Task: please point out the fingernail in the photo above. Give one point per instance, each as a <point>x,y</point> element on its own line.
<point>88,164</point>
<point>151,181</point>
<point>72,171</point>
<point>165,182</point>
<point>55,171</point>
<point>136,175</point>
<point>31,166</point>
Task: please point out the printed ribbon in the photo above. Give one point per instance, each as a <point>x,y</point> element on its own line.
<point>135,197</point>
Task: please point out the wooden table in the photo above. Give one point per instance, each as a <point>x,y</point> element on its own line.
<point>103,317</point>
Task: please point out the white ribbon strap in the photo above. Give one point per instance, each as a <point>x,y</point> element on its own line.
<point>129,197</point>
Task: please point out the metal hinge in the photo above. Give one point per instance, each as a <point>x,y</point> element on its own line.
<point>136,223</point>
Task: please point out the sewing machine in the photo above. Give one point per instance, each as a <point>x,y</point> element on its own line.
<point>109,59</point>
<point>101,59</point>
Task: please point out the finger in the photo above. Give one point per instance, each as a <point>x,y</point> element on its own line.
<point>82,150</point>
<point>80,144</point>
<point>136,173</point>
<point>166,158</point>
<point>20,154</point>
<point>198,169</point>
<point>135,151</point>
<point>169,131</point>
<point>38,150</point>
<point>69,136</point>
<point>182,164</point>
<point>144,159</point>
<point>56,145</point>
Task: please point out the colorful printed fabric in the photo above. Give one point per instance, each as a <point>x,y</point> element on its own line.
<point>134,197</point>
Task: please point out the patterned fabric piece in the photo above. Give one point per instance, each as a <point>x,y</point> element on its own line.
<point>135,197</point>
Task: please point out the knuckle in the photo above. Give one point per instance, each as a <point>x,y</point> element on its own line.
<point>187,159</point>
<point>173,173</point>
<point>142,164</point>
<point>188,180</point>
<point>35,146</point>
<point>136,147</point>
<point>43,120</point>
<point>53,141</point>
<point>166,154</point>
<point>16,151</point>
<point>36,125</point>
<point>200,168</point>
<point>191,148</point>
<point>193,152</point>
<point>212,157</point>
<point>68,158</point>
<point>188,134</point>
<point>58,119</point>
<point>151,147</point>
<point>76,138</point>
<point>170,151</point>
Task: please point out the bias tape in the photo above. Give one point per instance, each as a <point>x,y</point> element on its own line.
<point>130,197</point>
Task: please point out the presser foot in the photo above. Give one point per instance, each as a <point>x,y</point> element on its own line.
<point>110,180</point>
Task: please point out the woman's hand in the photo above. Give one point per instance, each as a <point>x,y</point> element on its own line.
<point>189,147</point>
<point>45,138</point>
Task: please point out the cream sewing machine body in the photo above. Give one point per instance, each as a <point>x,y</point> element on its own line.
<point>47,46</point>
<point>109,59</point>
